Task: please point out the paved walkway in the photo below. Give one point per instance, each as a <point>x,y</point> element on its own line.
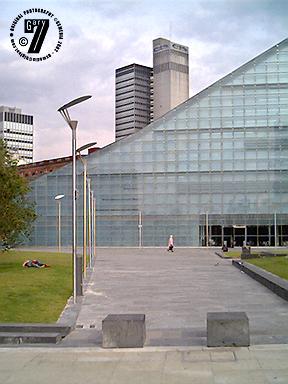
<point>254,365</point>
<point>175,291</point>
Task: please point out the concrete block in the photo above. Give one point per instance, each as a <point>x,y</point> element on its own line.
<point>123,331</point>
<point>227,329</point>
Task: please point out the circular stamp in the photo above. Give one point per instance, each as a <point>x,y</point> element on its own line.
<point>36,34</point>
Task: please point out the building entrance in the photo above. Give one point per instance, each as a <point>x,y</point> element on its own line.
<point>237,235</point>
<point>234,236</point>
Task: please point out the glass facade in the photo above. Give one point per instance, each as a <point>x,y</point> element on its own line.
<point>213,169</point>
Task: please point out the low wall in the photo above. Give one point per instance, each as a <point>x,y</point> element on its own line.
<point>274,283</point>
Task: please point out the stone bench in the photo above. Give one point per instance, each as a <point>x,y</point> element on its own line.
<point>29,338</point>
<point>227,329</point>
<point>123,331</point>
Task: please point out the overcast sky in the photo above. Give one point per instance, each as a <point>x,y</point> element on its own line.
<point>100,36</point>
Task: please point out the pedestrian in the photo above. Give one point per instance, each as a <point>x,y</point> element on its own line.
<point>170,244</point>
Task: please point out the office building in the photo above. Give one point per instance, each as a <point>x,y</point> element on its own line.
<point>16,129</point>
<point>213,169</point>
<point>133,99</point>
<point>170,75</point>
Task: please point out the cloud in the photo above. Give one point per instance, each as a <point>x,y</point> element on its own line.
<point>100,36</point>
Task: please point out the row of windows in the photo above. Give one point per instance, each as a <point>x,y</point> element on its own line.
<point>12,131</point>
<point>12,140</point>
<point>134,92</point>
<point>132,97</point>
<point>171,66</point>
<point>144,85</point>
<point>120,72</point>
<point>127,122</point>
<point>133,122</point>
<point>123,109</point>
<point>17,118</point>
<point>20,150</point>
<point>133,102</point>
<point>146,72</point>
<point>126,129</point>
<point>145,117</point>
<point>123,112</point>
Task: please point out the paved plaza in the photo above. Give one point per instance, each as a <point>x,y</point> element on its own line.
<point>175,291</point>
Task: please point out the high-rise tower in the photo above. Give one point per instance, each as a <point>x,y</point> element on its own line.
<point>170,75</point>
<point>133,102</point>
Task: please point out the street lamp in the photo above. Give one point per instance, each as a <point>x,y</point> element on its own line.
<point>89,221</point>
<point>84,162</point>
<point>92,227</point>
<point>77,261</point>
<point>94,240</point>
<point>58,199</point>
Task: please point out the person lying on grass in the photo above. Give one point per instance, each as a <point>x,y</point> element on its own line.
<point>35,264</point>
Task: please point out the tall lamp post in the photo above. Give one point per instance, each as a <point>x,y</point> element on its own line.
<point>92,228</point>
<point>58,199</point>
<point>84,162</point>
<point>77,260</point>
<point>94,252</point>
<point>89,222</point>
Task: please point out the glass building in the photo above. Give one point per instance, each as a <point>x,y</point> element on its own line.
<point>16,129</point>
<point>213,169</point>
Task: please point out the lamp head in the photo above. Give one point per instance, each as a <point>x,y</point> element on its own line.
<point>74,102</point>
<point>86,146</point>
<point>58,197</point>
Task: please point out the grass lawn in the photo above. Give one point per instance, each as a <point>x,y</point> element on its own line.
<point>232,254</point>
<point>276,265</point>
<point>34,294</point>
<point>237,254</point>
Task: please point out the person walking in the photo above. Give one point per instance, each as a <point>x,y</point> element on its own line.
<point>171,244</point>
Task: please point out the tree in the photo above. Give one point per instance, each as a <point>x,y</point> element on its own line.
<point>16,213</point>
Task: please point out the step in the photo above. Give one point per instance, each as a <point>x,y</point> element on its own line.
<point>63,330</point>
<point>29,338</point>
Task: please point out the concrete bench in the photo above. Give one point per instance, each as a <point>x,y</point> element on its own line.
<point>29,338</point>
<point>227,329</point>
<point>62,329</point>
<point>123,331</point>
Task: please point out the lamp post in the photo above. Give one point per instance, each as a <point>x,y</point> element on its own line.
<point>84,162</point>
<point>94,252</point>
<point>77,261</point>
<point>89,222</point>
<point>92,226</point>
<point>58,199</point>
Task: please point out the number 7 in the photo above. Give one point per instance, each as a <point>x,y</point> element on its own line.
<point>42,26</point>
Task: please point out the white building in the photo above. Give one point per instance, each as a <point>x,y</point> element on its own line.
<point>17,131</point>
<point>170,75</point>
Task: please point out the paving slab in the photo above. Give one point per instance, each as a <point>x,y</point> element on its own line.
<point>263,364</point>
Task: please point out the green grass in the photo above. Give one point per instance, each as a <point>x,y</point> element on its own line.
<point>237,254</point>
<point>232,254</point>
<point>276,265</point>
<point>34,294</point>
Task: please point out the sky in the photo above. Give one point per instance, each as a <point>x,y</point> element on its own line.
<point>102,35</point>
